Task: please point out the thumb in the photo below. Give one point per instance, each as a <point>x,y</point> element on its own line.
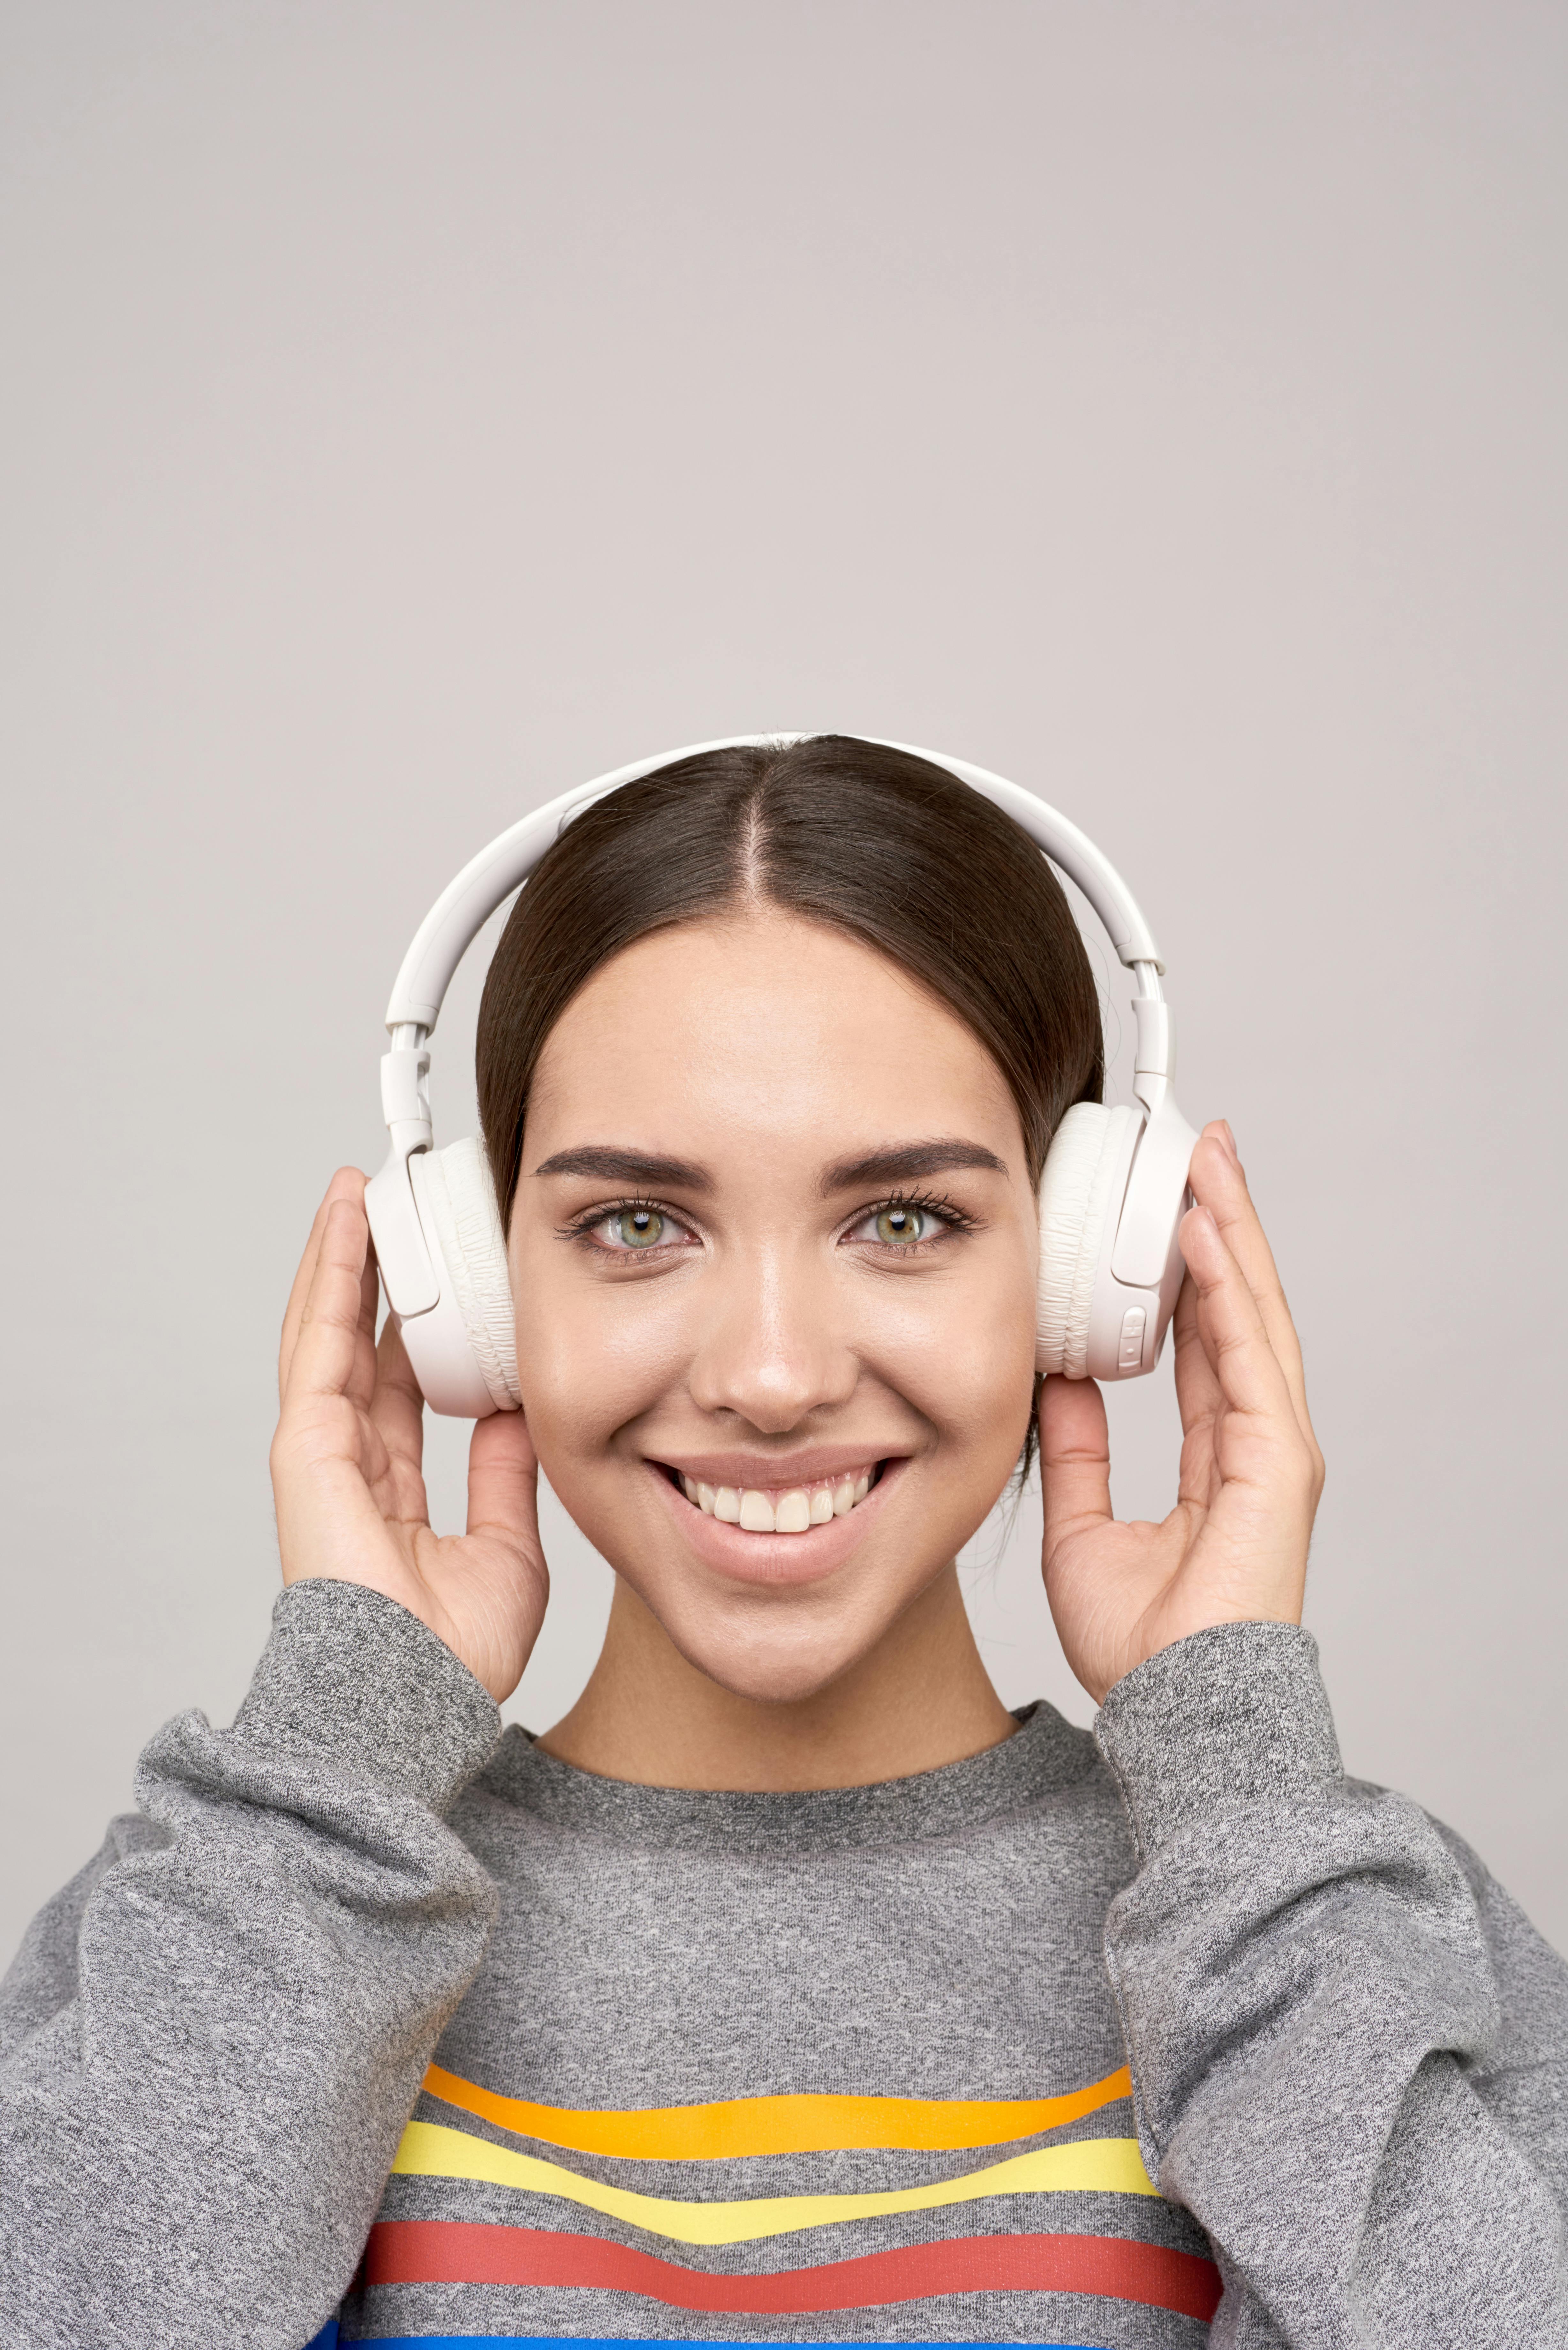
<point>504,1480</point>
<point>1075,1458</point>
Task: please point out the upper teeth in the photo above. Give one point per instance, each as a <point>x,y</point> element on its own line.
<point>778,1509</point>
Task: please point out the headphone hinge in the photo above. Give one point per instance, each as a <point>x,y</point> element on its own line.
<point>1155,1053</point>
<point>406,1098</point>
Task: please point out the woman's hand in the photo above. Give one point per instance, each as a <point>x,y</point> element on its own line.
<point>1234,1549</point>
<point>346,1466</point>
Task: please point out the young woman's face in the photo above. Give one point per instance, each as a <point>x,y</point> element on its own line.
<point>773,1249</point>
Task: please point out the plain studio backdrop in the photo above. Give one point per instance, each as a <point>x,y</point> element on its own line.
<point>413,409</point>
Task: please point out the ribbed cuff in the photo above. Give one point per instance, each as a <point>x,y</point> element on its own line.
<point>349,1676</point>
<point>1235,1714</point>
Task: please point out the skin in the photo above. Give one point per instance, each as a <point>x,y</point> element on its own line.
<point>773,1333</point>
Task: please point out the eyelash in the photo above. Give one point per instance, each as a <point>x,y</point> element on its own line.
<point>632,1205</point>
<point>930,1203</point>
<point>947,1212</point>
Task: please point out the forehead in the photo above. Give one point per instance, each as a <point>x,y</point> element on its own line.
<point>763,1026</point>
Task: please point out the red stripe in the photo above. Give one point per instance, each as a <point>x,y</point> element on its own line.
<point>457,2252</point>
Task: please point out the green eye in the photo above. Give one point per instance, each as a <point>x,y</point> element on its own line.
<point>639,1228</point>
<point>900,1225</point>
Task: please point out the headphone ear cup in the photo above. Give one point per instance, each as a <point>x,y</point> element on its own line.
<point>457,1207</point>
<point>1076,1198</point>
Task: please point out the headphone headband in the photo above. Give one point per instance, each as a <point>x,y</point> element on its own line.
<point>466,904</point>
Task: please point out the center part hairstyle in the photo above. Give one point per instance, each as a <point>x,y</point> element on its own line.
<point>870,841</point>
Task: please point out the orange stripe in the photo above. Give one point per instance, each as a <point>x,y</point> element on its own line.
<point>803,2125</point>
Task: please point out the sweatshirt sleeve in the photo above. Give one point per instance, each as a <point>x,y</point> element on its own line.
<point>1349,2049</point>
<point>211,2040</point>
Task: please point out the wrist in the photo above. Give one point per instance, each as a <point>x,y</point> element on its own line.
<point>354,1679</point>
<point>1228,1715</point>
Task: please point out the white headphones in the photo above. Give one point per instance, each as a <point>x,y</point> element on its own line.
<point>1111,1196</point>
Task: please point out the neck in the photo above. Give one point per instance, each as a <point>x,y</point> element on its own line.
<point>922,1698</point>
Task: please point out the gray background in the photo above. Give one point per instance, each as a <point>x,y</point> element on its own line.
<point>411,409</point>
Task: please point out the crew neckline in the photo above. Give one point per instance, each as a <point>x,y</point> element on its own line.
<point>1044,1755</point>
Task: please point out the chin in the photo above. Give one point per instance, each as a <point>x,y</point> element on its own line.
<point>786,1641</point>
<point>780,1662</point>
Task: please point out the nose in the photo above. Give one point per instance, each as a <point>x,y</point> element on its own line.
<point>772,1348</point>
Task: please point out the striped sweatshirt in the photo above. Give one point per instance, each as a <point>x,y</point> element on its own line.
<point>376,2024</point>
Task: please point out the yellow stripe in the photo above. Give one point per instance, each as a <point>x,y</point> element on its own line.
<point>1113,2165</point>
<point>804,2125</point>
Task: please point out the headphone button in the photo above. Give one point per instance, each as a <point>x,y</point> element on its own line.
<point>1130,1354</point>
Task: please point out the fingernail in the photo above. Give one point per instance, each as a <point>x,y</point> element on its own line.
<point>1224,1125</point>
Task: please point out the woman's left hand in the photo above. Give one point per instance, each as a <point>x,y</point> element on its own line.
<point>1234,1549</point>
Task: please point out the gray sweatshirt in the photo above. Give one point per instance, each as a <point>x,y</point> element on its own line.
<point>375,2024</point>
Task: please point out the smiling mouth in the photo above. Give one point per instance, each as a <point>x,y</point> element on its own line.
<point>780,1508</point>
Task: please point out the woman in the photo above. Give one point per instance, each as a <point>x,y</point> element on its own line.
<point>789,1988</point>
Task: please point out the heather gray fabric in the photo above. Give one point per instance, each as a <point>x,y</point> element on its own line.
<point>1349,2047</point>
<point>1349,2050</point>
<point>210,2041</point>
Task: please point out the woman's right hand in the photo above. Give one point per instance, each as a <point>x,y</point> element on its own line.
<point>346,1466</point>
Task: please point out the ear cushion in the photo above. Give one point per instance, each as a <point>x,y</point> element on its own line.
<point>457,1206</point>
<point>1074,1197</point>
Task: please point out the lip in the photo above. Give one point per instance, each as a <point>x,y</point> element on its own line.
<point>776,1472</point>
<point>777,1562</point>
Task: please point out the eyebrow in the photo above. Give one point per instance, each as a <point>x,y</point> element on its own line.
<point>906,1161</point>
<point>610,1164</point>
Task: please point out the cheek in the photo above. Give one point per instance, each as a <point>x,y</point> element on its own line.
<point>965,1359</point>
<point>586,1365</point>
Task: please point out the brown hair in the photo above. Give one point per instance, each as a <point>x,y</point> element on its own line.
<point>874,842</point>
